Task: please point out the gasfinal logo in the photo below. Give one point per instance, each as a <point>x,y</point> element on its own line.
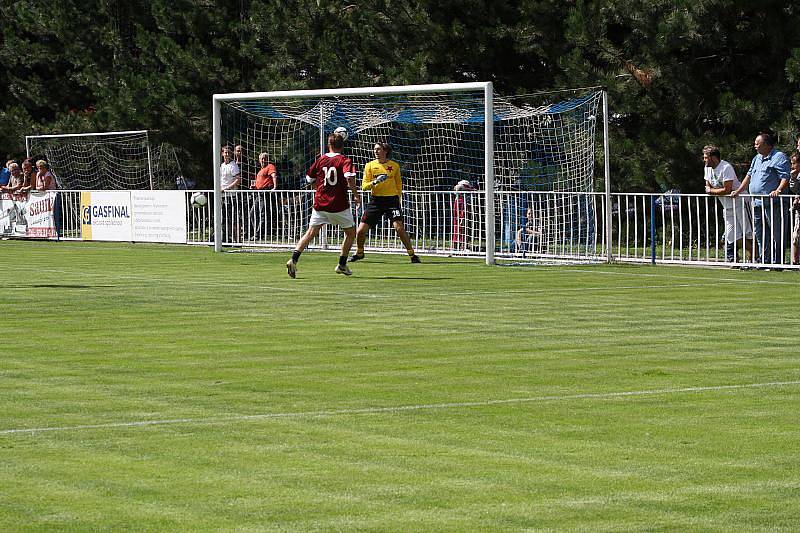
<point>107,211</point>
<point>97,213</point>
<point>86,215</point>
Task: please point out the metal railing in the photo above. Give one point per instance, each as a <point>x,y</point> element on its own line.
<point>748,231</point>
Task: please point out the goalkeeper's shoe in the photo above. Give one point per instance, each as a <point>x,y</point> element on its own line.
<point>291,267</point>
<point>343,270</point>
<point>415,259</point>
<point>356,257</point>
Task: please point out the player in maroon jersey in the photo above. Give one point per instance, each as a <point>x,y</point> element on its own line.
<point>332,173</point>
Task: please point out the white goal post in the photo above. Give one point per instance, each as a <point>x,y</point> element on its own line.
<point>527,161</point>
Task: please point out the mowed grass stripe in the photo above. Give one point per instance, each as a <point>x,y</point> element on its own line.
<point>403,408</point>
<point>137,333</point>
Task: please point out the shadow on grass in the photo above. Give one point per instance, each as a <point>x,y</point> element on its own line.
<point>415,278</point>
<point>439,263</point>
<point>64,286</point>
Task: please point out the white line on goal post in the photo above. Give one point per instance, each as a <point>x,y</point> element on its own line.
<point>607,173</point>
<point>402,408</point>
<point>216,146</point>
<point>488,155</point>
<point>358,91</point>
<point>100,134</point>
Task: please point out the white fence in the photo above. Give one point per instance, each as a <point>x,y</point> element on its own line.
<point>549,226</point>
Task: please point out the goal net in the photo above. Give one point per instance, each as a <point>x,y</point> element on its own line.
<point>545,147</point>
<point>113,160</point>
<point>467,189</point>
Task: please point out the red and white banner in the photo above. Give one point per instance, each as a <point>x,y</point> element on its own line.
<point>28,215</point>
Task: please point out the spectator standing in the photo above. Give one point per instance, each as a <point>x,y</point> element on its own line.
<point>260,210</point>
<point>766,179</point>
<point>5,174</point>
<point>794,187</point>
<point>720,181</point>
<point>332,173</point>
<point>460,214</point>
<point>45,181</point>
<point>15,182</point>
<point>529,236</point>
<point>382,177</point>
<point>28,177</point>
<point>243,200</point>
<point>229,179</point>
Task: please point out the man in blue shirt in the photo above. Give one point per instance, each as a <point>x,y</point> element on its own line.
<point>5,174</point>
<point>767,178</point>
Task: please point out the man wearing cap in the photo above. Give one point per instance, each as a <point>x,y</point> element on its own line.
<point>382,178</point>
<point>460,214</point>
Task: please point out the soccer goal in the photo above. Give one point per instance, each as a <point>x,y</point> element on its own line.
<point>483,175</point>
<point>111,160</point>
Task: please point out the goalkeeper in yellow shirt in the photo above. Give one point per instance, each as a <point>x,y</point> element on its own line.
<point>382,178</point>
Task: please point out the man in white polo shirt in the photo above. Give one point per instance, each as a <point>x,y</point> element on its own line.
<point>720,181</point>
<point>229,179</point>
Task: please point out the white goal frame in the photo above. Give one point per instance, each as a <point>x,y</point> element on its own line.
<point>29,138</point>
<point>488,93</point>
<point>544,181</point>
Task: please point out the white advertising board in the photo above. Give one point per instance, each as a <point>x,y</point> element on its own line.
<point>106,216</point>
<point>159,216</point>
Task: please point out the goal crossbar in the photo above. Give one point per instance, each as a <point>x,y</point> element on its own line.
<point>359,91</point>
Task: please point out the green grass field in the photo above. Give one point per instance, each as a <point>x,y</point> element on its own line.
<point>165,388</point>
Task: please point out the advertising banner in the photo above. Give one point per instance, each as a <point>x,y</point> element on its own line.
<point>159,216</point>
<point>106,216</point>
<point>28,215</point>
<point>40,211</point>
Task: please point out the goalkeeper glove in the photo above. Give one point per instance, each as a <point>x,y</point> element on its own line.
<point>380,178</point>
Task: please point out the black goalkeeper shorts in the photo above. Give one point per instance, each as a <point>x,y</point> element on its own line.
<point>382,206</point>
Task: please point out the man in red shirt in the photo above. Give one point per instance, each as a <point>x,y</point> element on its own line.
<point>332,174</point>
<point>260,211</point>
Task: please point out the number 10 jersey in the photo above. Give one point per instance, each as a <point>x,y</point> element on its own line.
<point>329,173</point>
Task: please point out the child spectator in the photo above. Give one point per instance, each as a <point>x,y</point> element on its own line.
<point>529,236</point>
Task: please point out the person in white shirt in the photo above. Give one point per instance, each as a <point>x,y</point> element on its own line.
<point>720,180</point>
<point>229,179</point>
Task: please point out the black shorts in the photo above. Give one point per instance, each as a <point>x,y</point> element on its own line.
<point>382,206</point>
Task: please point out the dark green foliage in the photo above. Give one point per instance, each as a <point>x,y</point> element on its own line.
<point>679,74</point>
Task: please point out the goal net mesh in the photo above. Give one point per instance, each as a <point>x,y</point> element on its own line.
<point>96,161</point>
<point>542,144</point>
